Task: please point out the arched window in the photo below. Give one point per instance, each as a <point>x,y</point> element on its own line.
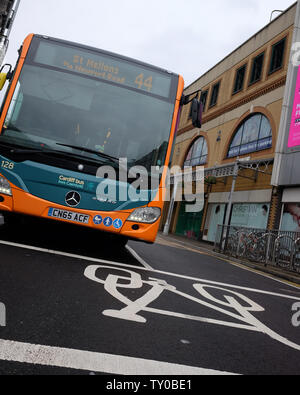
<point>197,155</point>
<point>254,134</point>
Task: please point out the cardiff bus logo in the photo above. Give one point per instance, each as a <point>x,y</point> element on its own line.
<point>2,314</point>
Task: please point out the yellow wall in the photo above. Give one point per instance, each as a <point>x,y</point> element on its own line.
<point>265,96</point>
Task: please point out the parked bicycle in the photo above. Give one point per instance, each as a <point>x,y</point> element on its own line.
<point>270,247</point>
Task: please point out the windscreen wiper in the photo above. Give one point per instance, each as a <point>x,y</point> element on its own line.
<point>27,151</point>
<point>23,151</point>
<point>16,149</point>
<point>91,151</point>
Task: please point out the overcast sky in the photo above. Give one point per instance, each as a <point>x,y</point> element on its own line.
<point>184,36</point>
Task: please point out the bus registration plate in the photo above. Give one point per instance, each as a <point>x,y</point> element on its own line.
<point>68,215</point>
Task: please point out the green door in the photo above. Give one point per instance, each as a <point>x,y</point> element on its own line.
<point>189,224</point>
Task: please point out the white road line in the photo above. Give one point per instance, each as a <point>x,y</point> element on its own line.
<point>97,260</point>
<point>138,258</point>
<point>94,362</point>
<point>66,254</point>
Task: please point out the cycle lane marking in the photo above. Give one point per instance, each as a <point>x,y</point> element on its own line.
<point>22,352</point>
<point>229,305</point>
<point>118,265</point>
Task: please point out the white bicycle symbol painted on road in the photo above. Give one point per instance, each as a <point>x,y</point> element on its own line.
<point>233,304</point>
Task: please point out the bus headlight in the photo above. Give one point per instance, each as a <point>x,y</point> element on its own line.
<point>147,215</point>
<point>5,187</point>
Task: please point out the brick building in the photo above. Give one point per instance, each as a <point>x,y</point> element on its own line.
<point>242,97</point>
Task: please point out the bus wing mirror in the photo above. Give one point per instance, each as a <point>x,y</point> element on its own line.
<point>197,109</point>
<point>3,78</point>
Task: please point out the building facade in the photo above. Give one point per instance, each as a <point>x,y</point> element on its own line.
<point>242,100</point>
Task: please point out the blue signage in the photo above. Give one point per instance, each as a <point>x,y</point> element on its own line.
<point>98,220</point>
<point>244,149</point>
<point>107,222</point>
<point>118,223</point>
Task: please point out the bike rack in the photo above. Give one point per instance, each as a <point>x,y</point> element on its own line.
<point>294,252</point>
<point>276,251</point>
<point>268,247</point>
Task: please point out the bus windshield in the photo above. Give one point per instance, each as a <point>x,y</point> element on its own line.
<point>67,97</point>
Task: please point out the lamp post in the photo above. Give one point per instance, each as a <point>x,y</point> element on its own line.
<point>235,176</point>
<point>236,169</point>
<point>171,207</point>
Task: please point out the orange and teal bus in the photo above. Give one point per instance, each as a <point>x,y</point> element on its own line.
<point>70,109</point>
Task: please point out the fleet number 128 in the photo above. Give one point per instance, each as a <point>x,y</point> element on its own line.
<point>5,164</point>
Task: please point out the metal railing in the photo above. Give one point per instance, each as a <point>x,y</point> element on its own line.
<point>270,247</point>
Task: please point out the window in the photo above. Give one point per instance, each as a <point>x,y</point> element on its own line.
<point>257,67</point>
<point>203,98</point>
<point>191,107</point>
<point>214,95</point>
<point>190,113</point>
<point>254,134</point>
<point>277,56</point>
<point>197,154</point>
<point>239,79</point>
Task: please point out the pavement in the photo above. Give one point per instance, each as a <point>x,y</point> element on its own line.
<point>208,248</point>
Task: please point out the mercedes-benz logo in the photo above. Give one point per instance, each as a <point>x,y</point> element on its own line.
<point>73,199</point>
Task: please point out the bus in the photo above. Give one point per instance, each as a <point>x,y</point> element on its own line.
<point>69,110</point>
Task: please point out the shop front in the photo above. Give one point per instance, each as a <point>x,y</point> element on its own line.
<point>249,209</point>
<point>189,224</point>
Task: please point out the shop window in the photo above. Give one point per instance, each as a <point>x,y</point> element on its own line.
<point>215,218</point>
<point>291,217</point>
<point>254,134</point>
<point>239,79</point>
<point>252,215</point>
<point>197,154</point>
<point>257,67</point>
<point>277,56</point>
